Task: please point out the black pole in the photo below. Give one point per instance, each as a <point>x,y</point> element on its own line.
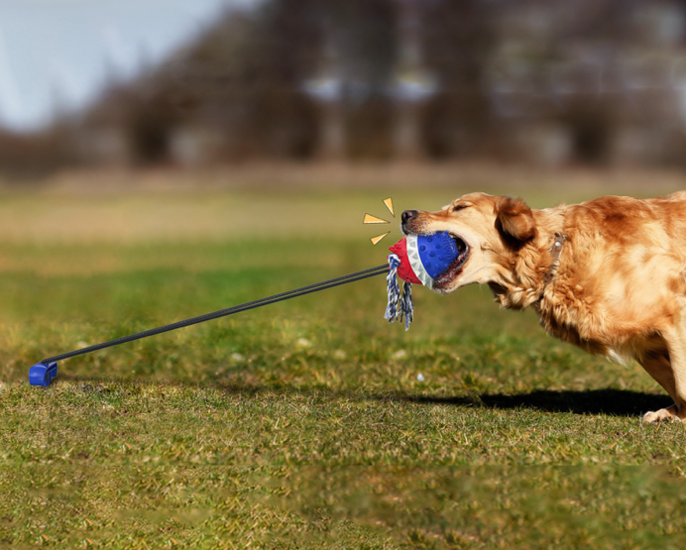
<point>358,276</point>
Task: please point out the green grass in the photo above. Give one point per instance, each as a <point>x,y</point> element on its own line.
<point>303,424</point>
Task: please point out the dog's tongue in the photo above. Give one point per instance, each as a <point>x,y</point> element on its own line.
<point>405,271</point>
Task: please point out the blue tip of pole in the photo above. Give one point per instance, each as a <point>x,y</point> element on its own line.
<point>41,374</point>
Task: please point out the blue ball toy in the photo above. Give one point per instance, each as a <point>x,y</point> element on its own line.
<point>425,257</point>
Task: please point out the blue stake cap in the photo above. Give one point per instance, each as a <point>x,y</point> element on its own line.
<point>41,374</point>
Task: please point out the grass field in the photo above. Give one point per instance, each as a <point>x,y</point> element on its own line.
<point>302,424</point>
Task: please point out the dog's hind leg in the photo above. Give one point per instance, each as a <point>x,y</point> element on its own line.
<point>668,368</point>
<point>657,364</point>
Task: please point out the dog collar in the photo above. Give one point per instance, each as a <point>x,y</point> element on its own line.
<point>555,251</point>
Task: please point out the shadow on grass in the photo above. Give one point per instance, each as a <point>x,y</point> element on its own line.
<point>595,402</point>
<point>606,401</point>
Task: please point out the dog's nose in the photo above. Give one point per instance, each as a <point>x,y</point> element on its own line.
<point>408,215</point>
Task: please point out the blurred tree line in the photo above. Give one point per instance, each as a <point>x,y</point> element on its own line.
<point>544,81</point>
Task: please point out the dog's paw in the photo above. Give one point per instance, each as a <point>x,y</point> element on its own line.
<point>670,413</point>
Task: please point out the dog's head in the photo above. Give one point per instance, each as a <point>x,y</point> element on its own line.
<point>488,231</point>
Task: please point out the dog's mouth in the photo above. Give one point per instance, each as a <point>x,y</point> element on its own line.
<point>455,268</point>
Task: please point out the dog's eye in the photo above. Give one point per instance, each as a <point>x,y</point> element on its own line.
<point>459,207</point>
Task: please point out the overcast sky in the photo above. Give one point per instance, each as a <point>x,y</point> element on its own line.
<point>58,51</point>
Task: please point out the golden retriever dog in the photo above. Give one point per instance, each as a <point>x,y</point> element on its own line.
<point>608,275</point>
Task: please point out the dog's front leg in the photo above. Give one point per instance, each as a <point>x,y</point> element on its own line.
<point>669,370</point>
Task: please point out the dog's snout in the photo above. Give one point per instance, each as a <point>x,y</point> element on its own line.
<point>408,215</point>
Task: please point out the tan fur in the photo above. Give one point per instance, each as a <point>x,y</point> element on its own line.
<point>617,289</point>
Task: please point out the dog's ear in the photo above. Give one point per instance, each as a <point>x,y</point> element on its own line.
<point>515,220</point>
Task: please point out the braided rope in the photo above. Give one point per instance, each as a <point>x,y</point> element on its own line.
<point>392,288</point>
<point>400,307</point>
<point>407,305</point>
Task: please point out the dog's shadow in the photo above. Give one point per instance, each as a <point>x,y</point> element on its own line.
<point>594,402</point>
<point>607,401</point>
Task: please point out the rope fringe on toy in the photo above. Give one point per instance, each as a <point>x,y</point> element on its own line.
<point>399,306</point>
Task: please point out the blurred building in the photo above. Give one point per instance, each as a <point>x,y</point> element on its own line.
<point>545,81</point>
